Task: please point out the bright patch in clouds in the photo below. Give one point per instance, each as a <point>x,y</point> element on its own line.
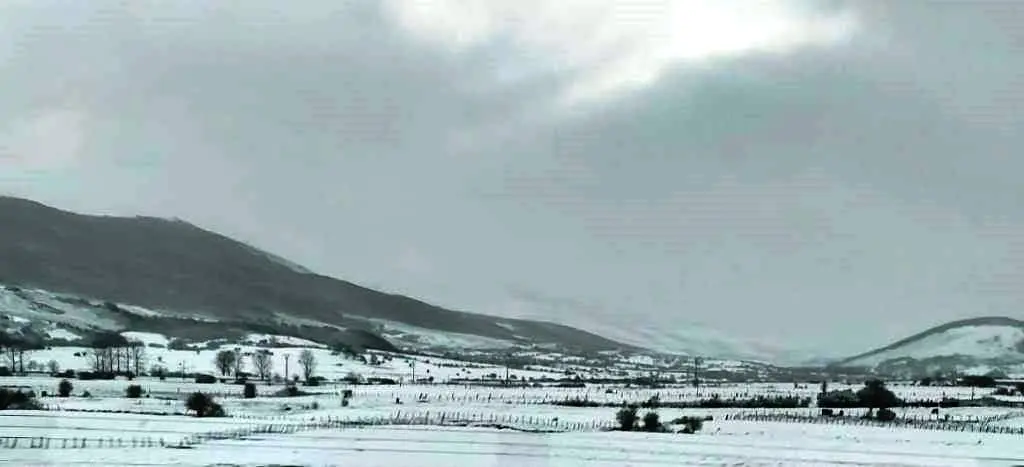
<point>48,140</point>
<point>606,47</point>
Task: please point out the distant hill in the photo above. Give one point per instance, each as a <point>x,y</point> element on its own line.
<point>175,266</point>
<point>977,345</point>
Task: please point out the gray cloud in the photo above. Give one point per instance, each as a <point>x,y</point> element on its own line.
<point>863,182</point>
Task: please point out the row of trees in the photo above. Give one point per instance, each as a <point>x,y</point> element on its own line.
<point>113,353</point>
<point>14,349</point>
<point>232,362</point>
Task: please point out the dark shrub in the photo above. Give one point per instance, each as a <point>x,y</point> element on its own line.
<point>203,405</point>
<point>691,424</point>
<point>64,388</point>
<point>290,391</point>
<point>197,402</point>
<point>17,400</point>
<point>215,410</point>
<point>652,403</point>
<point>250,390</point>
<point>844,399</point>
<point>205,379</point>
<point>874,394</point>
<point>133,391</point>
<point>627,418</point>
<point>651,421</point>
<point>86,394</point>
<point>886,415</point>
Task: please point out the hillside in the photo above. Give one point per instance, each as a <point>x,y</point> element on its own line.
<point>188,272</point>
<point>973,345</point>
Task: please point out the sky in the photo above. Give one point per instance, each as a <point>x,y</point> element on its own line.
<point>778,176</point>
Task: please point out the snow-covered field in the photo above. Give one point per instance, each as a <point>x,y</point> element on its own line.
<point>298,430</point>
<point>136,440</point>
<point>318,429</point>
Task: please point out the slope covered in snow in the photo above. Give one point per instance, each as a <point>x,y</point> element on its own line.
<point>980,340</point>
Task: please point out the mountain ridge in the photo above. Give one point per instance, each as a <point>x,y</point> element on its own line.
<point>975,345</point>
<point>175,265</point>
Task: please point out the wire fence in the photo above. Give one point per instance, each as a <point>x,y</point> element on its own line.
<point>972,425</point>
<point>277,426</point>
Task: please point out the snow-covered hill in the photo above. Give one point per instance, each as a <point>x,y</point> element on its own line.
<point>995,343</point>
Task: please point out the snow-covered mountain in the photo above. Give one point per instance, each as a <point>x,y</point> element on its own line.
<point>977,345</point>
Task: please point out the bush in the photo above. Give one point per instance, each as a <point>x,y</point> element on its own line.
<point>64,388</point>
<point>886,415</point>
<point>86,394</point>
<point>17,400</point>
<point>205,379</point>
<point>627,418</point>
<point>651,421</point>
<point>133,391</point>
<point>290,391</point>
<point>203,405</point>
<point>250,391</point>
<point>693,425</point>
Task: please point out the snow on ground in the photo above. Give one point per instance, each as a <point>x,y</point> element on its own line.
<point>60,333</point>
<point>720,443</point>
<point>424,337</point>
<point>147,338</point>
<point>254,339</point>
<point>46,306</point>
<point>983,341</point>
<point>138,310</point>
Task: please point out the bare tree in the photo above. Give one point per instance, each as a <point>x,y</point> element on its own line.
<point>262,364</point>
<point>137,357</point>
<point>103,359</point>
<point>225,361</point>
<point>308,363</point>
<point>52,366</point>
<point>11,352</point>
<point>239,362</point>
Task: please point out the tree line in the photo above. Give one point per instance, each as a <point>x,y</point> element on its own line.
<point>233,363</point>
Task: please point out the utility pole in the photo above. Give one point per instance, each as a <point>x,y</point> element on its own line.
<point>412,365</point>
<point>696,374</point>
<point>508,362</point>
<point>181,364</point>
<point>287,378</point>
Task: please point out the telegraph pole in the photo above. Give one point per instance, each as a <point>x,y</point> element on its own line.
<point>287,378</point>
<point>696,374</point>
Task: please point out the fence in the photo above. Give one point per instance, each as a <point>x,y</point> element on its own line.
<point>973,425</point>
<point>279,426</point>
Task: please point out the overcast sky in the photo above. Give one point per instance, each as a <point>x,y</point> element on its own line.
<point>814,175</point>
